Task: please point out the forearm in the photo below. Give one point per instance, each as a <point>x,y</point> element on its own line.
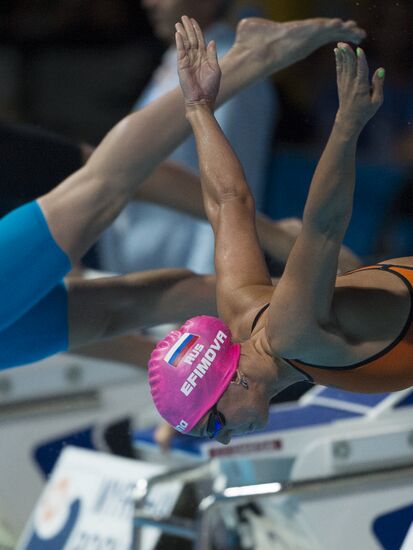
<point>112,306</point>
<point>173,186</point>
<point>330,199</point>
<point>278,237</point>
<point>222,176</point>
<point>133,349</point>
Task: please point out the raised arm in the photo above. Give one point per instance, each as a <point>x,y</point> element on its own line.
<point>330,200</point>
<point>228,202</point>
<point>304,294</point>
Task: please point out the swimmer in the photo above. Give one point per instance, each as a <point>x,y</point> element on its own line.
<point>352,332</point>
<point>40,241</point>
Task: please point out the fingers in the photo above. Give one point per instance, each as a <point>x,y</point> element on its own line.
<point>191,34</point>
<point>377,94</point>
<point>339,62</point>
<point>180,29</point>
<point>212,52</point>
<point>339,69</point>
<point>190,31</point>
<point>199,34</point>
<point>362,68</point>
<point>180,47</point>
<point>349,60</point>
<point>353,79</point>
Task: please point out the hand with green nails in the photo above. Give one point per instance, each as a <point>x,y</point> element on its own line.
<point>358,99</point>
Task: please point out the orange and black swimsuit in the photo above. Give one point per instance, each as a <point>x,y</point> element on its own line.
<point>389,370</point>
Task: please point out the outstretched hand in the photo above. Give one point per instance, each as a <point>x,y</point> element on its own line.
<point>198,68</point>
<point>359,101</point>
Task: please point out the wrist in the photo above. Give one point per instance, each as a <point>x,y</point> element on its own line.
<point>348,128</point>
<point>202,105</point>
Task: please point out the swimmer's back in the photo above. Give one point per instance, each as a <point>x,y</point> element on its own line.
<point>373,308</point>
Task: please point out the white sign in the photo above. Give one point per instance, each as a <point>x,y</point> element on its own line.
<point>87,504</point>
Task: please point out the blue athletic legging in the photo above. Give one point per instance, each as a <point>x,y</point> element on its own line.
<point>33,298</point>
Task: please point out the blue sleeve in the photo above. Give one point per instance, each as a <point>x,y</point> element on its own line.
<point>31,262</point>
<point>41,332</point>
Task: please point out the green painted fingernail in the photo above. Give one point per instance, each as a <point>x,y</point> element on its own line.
<point>381,73</point>
<point>359,52</point>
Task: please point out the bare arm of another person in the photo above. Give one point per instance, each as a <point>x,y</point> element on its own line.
<point>300,321</point>
<point>107,307</point>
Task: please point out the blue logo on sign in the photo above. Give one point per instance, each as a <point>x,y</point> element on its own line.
<point>391,529</point>
<point>55,518</point>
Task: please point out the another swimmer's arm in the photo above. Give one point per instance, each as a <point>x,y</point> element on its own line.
<point>112,306</point>
<point>133,349</point>
<point>174,186</point>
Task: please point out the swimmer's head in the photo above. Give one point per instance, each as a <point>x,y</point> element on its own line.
<point>244,405</point>
<point>205,385</point>
<point>190,369</point>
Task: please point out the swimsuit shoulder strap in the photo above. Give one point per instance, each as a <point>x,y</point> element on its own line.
<point>257,317</point>
<point>364,268</point>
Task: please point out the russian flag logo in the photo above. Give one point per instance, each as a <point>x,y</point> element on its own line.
<point>180,348</point>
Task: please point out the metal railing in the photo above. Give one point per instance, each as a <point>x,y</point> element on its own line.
<point>50,404</point>
<point>197,529</point>
<point>171,525</point>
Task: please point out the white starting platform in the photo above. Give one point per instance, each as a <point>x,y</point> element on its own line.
<point>334,470</point>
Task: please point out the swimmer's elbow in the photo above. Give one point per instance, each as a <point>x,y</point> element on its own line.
<point>218,207</point>
<point>332,224</point>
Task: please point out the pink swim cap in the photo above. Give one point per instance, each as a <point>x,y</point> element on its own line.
<point>190,369</point>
